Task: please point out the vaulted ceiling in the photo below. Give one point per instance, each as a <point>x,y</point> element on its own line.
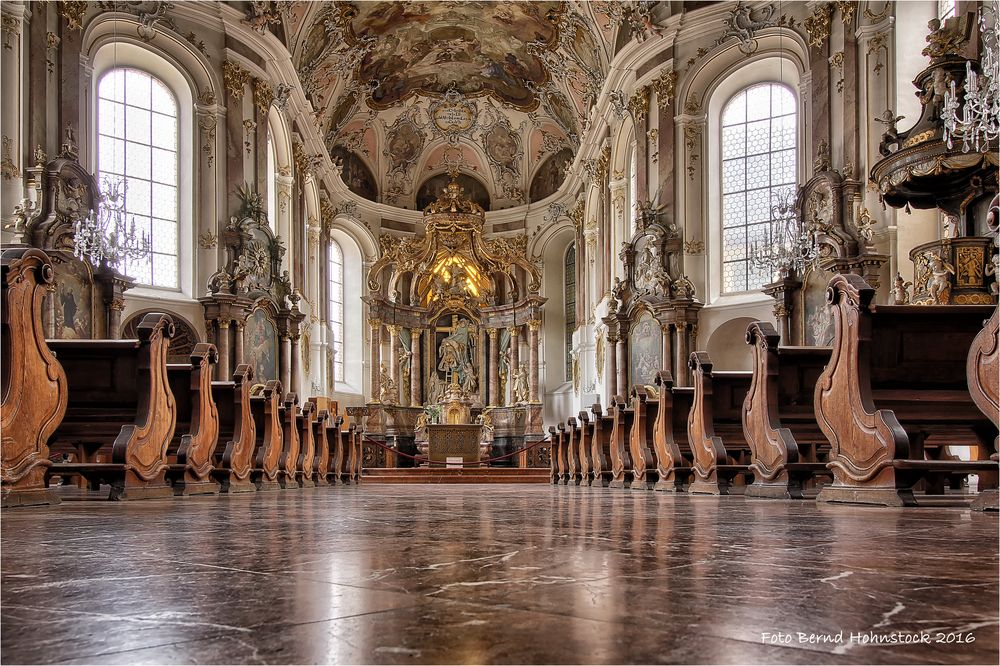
<point>404,91</point>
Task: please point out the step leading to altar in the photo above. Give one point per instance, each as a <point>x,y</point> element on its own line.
<point>455,475</point>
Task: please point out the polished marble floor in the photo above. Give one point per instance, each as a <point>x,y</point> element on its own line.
<point>495,574</point>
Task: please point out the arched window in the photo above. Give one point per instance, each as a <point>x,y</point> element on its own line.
<point>633,189</point>
<point>336,296</point>
<point>569,304</point>
<point>137,127</point>
<point>758,171</point>
<point>272,190</point>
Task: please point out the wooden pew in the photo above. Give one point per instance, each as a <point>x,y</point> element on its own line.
<point>563,454</point>
<point>670,436</point>
<point>779,422</point>
<point>35,389</point>
<point>351,459</point>
<point>585,445</point>
<point>894,390</point>
<point>335,436</point>
<point>289,465</point>
<point>321,465</point>
<point>554,473</point>
<point>196,434</point>
<point>234,458</point>
<point>121,413</point>
<point>621,459</point>
<point>983,372</point>
<point>573,471</point>
<point>719,451</point>
<point>307,445</point>
<point>600,447</point>
<point>641,435</point>
<point>357,452</point>
<point>269,444</point>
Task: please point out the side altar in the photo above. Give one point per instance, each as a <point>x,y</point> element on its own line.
<point>453,314</point>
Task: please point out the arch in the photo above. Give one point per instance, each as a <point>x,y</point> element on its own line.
<point>430,189</point>
<point>727,345</point>
<point>181,344</point>
<point>549,175</point>
<point>355,174</point>
<point>569,303</point>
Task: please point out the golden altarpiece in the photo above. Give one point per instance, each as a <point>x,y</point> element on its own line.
<point>457,313</point>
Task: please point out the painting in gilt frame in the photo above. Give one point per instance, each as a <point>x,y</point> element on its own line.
<point>645,351</point>
<point>261,345</point>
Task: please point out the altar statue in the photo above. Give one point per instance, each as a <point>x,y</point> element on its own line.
<point>455,353</point>
<point>519,392</point>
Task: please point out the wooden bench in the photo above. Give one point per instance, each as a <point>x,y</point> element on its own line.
<point>234,457</point>
<point>983,372</point>
<point>719,451</point>
<point>289,465</point>
<point>670,436</point>
<point>352,472</point>
<point>35,389</point>
<point>779,421</point>
<point>554,473</point>
<point>621,460</point>
<point>196,434</point>
<point>644,415</point>
<point>335,435</point>
<point>561,453</point>
<point>121,414</point>
<point>600,447</point>
<point>585,445</point>
<point>307,445</point>
<point>321,464</point>
<point>269,444</point>
<point>894,392</point>
<point>574,474</point>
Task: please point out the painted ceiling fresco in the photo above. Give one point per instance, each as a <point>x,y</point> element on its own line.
<point>489,89</point>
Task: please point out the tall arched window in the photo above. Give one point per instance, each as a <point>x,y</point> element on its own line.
<point>569,304</point>
<point>272,191</point>
<point>758,171</point>
<point>336,296</point>
<point>137,125</point>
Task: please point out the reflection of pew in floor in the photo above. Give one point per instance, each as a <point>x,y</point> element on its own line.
<point>121,414</point>
<point>983,372</point>
<point>269,443</point>
<point>670,442</point>
<point>640,440</point>
<point>321,463</point>
<point>779,420</point>
<point>234,455</point>
<point>34,384</point>
<point>719,451</point>
<point>307,445</point>
<point>600,447</point>
<point>621,459</point>
<point>895,391</point>
<point>196,433</point>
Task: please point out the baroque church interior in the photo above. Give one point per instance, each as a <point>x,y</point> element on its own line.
<point>500,332</point>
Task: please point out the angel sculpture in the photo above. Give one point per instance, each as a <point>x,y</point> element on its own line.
<point>901,291</point>
<point>939,287</point>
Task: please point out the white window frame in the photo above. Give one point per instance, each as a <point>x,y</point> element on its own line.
<point>335,296</point>
<point>126,55</point>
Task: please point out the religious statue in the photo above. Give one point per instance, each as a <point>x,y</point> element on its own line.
<point>486,420</point>
<point>405,361</point>
<point>455,353</point>
<point>901,291</point>
<point>420,428</point>
<point>939,285</point>
<point>949,226</point>
<point>388,393</point>
<point>993,270</point>
<point>435,391</point>
<point>519,391</point>
<point>891,135</point>
<point>683,288</point>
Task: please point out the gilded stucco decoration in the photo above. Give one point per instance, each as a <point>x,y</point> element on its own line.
<point>235,77</point>
<point>818,25</point>
<point>665,87</point>
<point>744,22</point>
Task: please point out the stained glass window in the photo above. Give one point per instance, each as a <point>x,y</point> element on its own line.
<point>137,145</point>
<point>569,279</point>
<point>758,169</point>
<point>336,296</point>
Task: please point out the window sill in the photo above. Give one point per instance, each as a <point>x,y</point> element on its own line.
<point>153,294</point>
<point>739,300</point>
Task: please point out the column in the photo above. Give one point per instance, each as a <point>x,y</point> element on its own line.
<point>225,374</point>
<point>286,363</point>
<point>294,363</point>
<point>115,309</point>
<point>482,366</point>
<point>783,316</point>
<point>376,357</point>
<point>494,365</point>
<point>393,331</point>
<point>416,395</point>
<point>681,363</point>
<point>533,327</point>
<point>667,353</point>
<point>611,371</point>
<point>239,342</point>
<point>12,125</point>
<point>513,358</point>
<point>622,368</point>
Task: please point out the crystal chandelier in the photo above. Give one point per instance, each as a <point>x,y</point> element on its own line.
<point>979,124</point>
<point>792,247</point>
<point>106,236</point>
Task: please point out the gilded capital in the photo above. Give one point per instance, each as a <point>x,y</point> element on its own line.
<point>493,332</point>
<point>375,322</point>
<point>514,331</point>
<point>534,325</point>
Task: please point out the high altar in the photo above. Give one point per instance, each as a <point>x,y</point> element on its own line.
<point>454,311</point>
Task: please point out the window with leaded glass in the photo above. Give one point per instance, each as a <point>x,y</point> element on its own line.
<point>137,146</point>
<point>336,297</point>
<point>947,9</point>
<point>758,172</point>
<point>569,280</point>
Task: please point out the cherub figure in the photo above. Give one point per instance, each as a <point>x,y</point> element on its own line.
<point>939,287</point>
<point>890,137</point>
<point>901,291</point>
